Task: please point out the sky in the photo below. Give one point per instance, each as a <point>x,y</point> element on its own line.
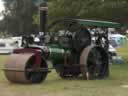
<point>1,8</point>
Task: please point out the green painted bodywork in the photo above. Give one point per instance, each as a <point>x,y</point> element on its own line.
<point>97,23</point>
<point>57,54</point>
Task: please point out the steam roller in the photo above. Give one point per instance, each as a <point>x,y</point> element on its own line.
<point>68,44</point>
<point>31,66</point>
<point>25,68</point>
<point>72,54</point>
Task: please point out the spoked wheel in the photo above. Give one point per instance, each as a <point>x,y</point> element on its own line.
<point>20,68</point>
<point>94,63</point>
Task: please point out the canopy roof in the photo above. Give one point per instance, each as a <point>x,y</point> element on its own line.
<point>97,23</point>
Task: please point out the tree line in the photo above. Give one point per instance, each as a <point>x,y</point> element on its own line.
<point>21,17</point>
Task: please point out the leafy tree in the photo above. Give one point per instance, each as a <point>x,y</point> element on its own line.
<point>21,16</point>
<point>112,10</point>
<point>18,16</point>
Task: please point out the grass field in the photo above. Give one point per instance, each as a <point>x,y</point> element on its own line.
<point>115,85</point>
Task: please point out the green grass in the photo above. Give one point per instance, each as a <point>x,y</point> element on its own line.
<point>115,85</point>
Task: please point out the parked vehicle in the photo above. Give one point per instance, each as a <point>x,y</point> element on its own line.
<point>7,45</point>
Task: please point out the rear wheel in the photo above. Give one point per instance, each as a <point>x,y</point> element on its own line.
<point>94,61</point>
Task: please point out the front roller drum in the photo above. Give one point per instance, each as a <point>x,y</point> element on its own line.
<point>94,63</point>
<point>20,68</point>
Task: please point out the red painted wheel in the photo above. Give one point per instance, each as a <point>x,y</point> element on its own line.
<point>20,68</point>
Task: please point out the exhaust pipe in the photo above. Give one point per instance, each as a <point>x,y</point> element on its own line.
<point>43,21</point>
